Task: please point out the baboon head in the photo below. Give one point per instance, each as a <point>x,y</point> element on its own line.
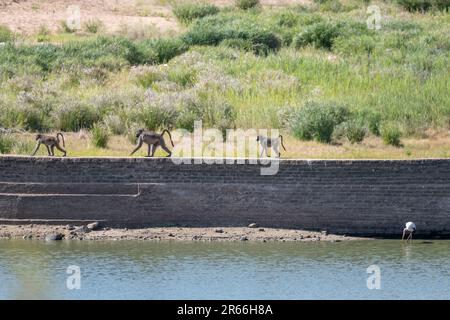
<point>257,138</point>
<point>38,136</point>
<point>139,132</point>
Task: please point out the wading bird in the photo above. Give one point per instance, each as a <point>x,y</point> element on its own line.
<point>410,228</point>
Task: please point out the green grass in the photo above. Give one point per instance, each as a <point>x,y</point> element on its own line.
<point>258,68</point>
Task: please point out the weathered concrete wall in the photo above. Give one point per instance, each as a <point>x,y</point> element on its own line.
<point>351,197</point>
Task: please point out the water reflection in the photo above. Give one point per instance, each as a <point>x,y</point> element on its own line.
<point>174,270</point>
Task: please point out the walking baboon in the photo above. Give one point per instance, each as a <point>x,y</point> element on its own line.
<point>153,140</point>
<point>271,143</point>
<point>50,142</point>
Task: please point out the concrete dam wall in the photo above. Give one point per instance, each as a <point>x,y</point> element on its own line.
<point>369,198</point>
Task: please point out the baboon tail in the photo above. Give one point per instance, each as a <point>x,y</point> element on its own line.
<point>62,138</point>
<point>170,136</point>
<point>281,137</point>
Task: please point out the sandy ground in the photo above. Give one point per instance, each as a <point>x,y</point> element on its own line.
<point>68,232</point>
<point>27,16</point>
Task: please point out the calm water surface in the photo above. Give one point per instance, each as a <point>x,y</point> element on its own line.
<point>174,270</point>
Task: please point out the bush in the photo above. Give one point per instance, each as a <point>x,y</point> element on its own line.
<point>156,116</point>
<point>318,120</point>
<point>188,12</point>
<point>114,124</point>
<point>5,34</point>
<point>320,35</point>
<point>424,5</point>
<point>214,30</point>
<point>74,116</point>
<point>373,122</point>
<point>355,131</point>
<point>184,76</point>
<point>161,50</point>
<point>6,143</point>
<point>247,4</point>
<point>93,25</point>
<point>34,119</point>
<point>99,136</point>
<point>391,134</point>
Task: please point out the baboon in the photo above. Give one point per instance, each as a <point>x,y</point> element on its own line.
<point>271,143</point>
<point>153,140</point>
<point>50,142</point>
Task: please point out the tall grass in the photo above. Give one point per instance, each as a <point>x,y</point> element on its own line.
<point>260,68</point>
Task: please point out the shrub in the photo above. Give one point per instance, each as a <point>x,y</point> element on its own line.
<point>6,143</point>
<point>320,35</point>
<point>99,136</point>
<point>43,34</point>
<point>239,44</point>
<point>114,124</point>
<point>188,12</point>
<point>214,30</point>
<point>391,134</point>
<point>74,116</point>
<point>373,122</point>
<point>318,120</point>
<point>161,50</point>
<point>93,25</point>
<point>66,28</point>
<point>184,76</point>
<point>157,116</point>
<point>355,131</point>
<point>5,34</point>
<point>23,147</point>
<point>423,5</point>
<point>247,4</point>
<point>34,119</point>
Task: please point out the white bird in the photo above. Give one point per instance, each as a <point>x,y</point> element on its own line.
<point>410,228</point>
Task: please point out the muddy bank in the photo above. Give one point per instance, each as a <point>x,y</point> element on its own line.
<point>96,232</point>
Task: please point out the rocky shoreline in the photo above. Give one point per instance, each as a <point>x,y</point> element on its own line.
<point>94,231</point>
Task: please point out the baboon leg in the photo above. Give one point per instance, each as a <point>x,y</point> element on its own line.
<point>164,147</point>
<point>137,147</point>
<point>52,149</point>
<point>262,151</point>
<point>48,150</point>
<point>154,148</point>
<point>276,149</point>
<point>149,150</point>
<point>61,149</point>
<point>36,149</point>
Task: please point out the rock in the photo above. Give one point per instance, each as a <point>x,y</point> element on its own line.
<point>54,237</point>
<point>82,229</point>
<point>27,236</point>
<point>171,235</point>
<point>218,231</point>
<point>70,227</point>
<point>261,229</point>
<point>244,238</point>
<point>324,232</point>
<point>93,226</point>
<point>252,225</point>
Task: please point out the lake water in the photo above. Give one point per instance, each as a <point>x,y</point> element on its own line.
<point>174,270</point>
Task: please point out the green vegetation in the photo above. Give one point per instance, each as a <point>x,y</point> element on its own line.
<point>424,5</point>
<point>316,72</point>
<point>247,4</point>
<point>188,12</point>
<point>5,34</point>
<point>6,143</point>
<point>99,136</point>
<point>391,134</point>
<point>316,121</point>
